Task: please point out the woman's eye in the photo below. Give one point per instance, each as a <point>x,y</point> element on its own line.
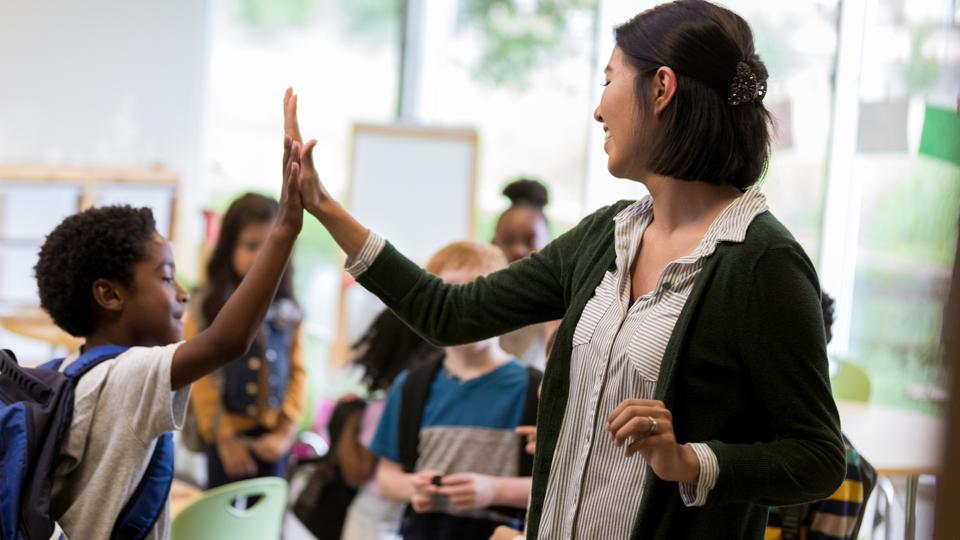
<point>605,83</point>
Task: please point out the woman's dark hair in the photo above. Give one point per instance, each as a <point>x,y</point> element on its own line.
<point>828,305</point>
<point>387,348</point>
<point>222,280</point>
<point>711,130</point>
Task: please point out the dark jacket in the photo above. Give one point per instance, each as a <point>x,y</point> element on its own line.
<point>745,370</point>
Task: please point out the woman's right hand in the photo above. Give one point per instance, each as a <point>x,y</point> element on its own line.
<point>236,458</point>
<point>348,233</point>
<point>314,194</point>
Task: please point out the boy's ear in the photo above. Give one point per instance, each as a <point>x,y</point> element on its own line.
<point>108,295</point>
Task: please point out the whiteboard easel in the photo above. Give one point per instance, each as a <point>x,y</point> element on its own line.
<point>416,187</point>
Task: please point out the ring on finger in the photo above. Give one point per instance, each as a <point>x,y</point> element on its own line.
<point>653,426</point>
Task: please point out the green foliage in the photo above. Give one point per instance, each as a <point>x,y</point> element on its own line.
<point>377,21</point>
<point>922,71</point>
<point>917,220</point>
<point>268,14</point>
<point>515,43</point>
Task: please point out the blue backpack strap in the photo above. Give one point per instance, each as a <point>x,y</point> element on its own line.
<point>142,511</point>
<point>149,499</point>
<point>91,358</point>
<point>52,365</point>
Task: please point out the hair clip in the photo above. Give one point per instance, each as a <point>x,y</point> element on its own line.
<point>746,88</point>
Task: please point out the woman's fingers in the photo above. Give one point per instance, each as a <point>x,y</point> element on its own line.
<point>291,127</point>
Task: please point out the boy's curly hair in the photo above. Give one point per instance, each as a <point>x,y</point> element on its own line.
<point>99,243</point>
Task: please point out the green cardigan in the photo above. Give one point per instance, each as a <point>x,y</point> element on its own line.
<point>745,369</point>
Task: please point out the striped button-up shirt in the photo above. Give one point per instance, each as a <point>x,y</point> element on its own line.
<point>594,491</point>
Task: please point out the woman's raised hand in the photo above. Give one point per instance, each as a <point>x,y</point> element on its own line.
<point>344,229</point>
<point>312,190</point>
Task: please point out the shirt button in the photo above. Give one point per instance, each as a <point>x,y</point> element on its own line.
<point>251,410</point>
<point>252,388</point>
<point>254,363</point>
<point>271,355</point>
<point>666,286</point>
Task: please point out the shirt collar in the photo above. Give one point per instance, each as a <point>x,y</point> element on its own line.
<point>730,226</point>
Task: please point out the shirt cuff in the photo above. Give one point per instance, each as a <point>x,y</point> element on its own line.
<point>368,253</point>
<point>696,494</point>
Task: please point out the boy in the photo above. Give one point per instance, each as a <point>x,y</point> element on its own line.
<point>468,463</point>
<point>106,275</point>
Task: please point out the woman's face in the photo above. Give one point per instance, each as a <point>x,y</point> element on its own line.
<point>520,232</point>
<point>618,111</point>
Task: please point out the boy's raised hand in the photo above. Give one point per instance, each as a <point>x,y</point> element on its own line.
<point>290,212</point>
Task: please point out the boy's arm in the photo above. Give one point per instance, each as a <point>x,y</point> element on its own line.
<point>233,330</point>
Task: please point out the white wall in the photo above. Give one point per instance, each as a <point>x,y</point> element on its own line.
<point>109,83</point>
<point>106,82</point>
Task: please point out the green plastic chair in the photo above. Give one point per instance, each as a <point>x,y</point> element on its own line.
<point>214,516</point>
<point>850,382</point>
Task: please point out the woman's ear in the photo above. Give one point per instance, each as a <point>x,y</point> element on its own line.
<point>664,87</point>
<point>108,295</point>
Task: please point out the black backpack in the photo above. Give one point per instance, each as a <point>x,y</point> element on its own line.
<point>36,408</point>
<point>322,505</point>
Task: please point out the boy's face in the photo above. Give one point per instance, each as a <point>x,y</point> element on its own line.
<point>460,276</point>
<point>155,303</point>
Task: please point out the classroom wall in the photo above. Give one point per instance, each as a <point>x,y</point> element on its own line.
<point>109,83</point>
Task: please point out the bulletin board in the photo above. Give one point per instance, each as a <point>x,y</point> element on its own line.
<point>416,187</point>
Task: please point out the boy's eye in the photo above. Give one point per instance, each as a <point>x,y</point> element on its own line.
<point>168,280</point>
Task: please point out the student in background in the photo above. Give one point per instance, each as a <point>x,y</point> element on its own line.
<point>466,478</point>
<point>248,411</point>
<point>386,349</point>
<point>107,275</point>
<point>521,230</point>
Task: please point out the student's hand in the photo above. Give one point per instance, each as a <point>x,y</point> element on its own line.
<point>290,211</point>
<point>272,447</point>
<point>468,491</point>
<point>631,422</point>
<point>506,533</point>
<point>423,491</point>
<point>236,458</point>
<point>530,432</point>
<point>312,190</point>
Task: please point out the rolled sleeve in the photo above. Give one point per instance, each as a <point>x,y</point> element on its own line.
<point>368,253</point>
<point>696,494</point>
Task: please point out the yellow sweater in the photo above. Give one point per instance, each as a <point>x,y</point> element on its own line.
<point>214,422</point>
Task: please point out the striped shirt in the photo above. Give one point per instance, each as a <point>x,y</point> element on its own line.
<point>594,491</point>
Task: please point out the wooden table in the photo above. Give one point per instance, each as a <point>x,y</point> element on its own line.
<point>898,443</point>
<point>182,495</point>
<point>33,322</point>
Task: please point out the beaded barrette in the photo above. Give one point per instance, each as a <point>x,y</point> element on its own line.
<point>746,88</point>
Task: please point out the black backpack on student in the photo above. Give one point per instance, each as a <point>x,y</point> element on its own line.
<point>322,505</point>
<point>36,408</point>
<point>416,390</point>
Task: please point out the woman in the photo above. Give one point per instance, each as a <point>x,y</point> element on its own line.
<point>687,389</point>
